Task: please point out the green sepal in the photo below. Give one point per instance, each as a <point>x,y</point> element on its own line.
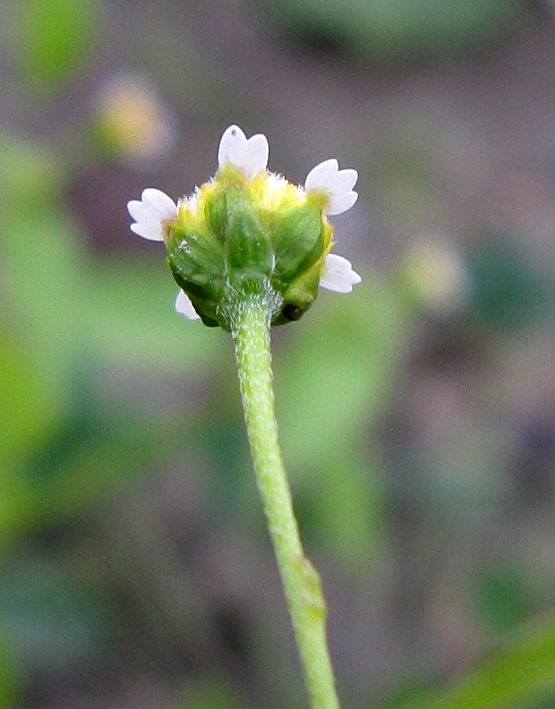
<point>208,311</point>
<point>215,212</point>
<point>197,260</point>
<point>299,296</point>
<point>206,308</point>
<point>229,183</point>
<point>247,245</point>
<point>298,241</point>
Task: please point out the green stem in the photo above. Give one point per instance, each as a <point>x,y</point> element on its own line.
<point>249,317</point>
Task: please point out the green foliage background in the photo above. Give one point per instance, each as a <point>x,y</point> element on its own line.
<point>132,545</point>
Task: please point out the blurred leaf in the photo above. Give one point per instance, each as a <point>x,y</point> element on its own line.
<point>506,291</point>
<point>520,671</point>
<point>24,406</point>
<point>25,412</point>
<point>54,37</point>
<point>503,596</point>
<point>37,346</point>
<point>332,379</point>
<point>213,695</point>
<point>44,284</point>
<point>32,177</point>
<point>336,370</point>
<point>61,316</point>
<point>122,309</point>
<point>129,316</point>
<point>341,507</point>
<point>95,463</point>
<point>9,672</point>
<point>49,618</point>
<point>387,28</point>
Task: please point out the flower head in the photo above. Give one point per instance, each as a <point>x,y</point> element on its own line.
<point>248,230</point>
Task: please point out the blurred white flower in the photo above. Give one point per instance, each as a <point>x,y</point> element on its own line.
<point>437,274</point>
<point>134,120</point>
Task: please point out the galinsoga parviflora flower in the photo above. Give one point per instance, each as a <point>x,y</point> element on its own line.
<point>249,250</point>
<point>247,229</point>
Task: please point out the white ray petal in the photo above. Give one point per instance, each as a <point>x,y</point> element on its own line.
<point>232,143</point>
<point>256,158</point>
<point>339,275</point>
<point>159,202</point>
<point>135,208</point>
<point>184,306</point>
<point>340,203</point>
<point>142,213</point>
<point>152,232</point>
<point>320,175</point>
<point>250,156</point>
<point>345,180</point>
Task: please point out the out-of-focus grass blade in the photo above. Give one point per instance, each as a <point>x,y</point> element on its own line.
<point>520,671</point>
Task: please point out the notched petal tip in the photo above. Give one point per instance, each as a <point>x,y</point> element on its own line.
<point>184,306</point>
<point>339,275</point>
<point>342,202</point>
<point>143,214</point>
<point>250,156</point>
<point>132,206</point>
<point>258,153</point>
<point>159,202</point>
<point>346,179</point>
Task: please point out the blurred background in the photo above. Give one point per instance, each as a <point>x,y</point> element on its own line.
<point>417,414</point>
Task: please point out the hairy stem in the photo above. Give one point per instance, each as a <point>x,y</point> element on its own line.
<point>249,317</point>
